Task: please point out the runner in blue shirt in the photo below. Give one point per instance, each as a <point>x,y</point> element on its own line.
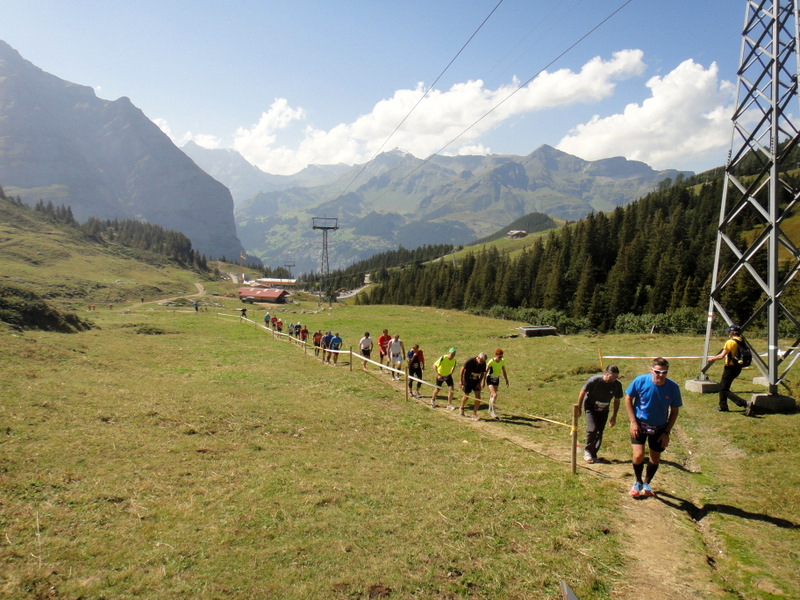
<point>326,345</point>
<point>336,344</point>
<point>652,402</point>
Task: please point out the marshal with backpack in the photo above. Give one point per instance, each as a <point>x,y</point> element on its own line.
<point>744,356</point>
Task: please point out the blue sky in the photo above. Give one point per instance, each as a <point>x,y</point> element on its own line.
<point>289,84</point>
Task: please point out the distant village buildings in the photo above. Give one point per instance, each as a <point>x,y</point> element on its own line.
<point>267,290</point>
<point>516,234</point>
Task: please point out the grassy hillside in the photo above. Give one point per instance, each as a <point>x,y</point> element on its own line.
<point>62,265</point>
<point>169,453</point>
<point>177,454</point>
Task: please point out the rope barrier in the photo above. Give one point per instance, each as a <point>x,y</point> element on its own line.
<point>548,420</point>
<point>408,378</point>
<point>650,357</point>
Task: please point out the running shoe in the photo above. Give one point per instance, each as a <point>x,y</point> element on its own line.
<point>492,412</point>
<point>647,491</point>
<point>475,418</point>
<point>450,407</point>
<point>461,413</point>
<point>587,456</point>
<point>434,405</point>
<point>636,490</point>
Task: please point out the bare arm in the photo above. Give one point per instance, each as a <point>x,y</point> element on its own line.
<point>613,420</point>
<point>719,356</point>
<point>634,425</point>
<point>673,416</point>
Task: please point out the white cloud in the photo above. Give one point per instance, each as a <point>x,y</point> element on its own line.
<point>685,121</point>
<point>257,143</point>
<point>164,126</point>
<point>439,119</point>
<point>204,140</point>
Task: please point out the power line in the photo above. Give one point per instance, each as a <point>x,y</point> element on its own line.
<point>521,86</point>
<point>492,109</point>
<point>424,95</point>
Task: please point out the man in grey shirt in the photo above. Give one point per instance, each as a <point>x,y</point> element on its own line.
<point>595,397</point>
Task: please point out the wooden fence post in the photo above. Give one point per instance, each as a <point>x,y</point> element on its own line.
<point>576,411</point>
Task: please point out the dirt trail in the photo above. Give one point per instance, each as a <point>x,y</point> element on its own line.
<point>665,547</point>
<point>201,291</point>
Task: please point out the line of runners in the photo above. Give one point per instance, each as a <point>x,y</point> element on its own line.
<point>476,373</point>
<point>652,401</point>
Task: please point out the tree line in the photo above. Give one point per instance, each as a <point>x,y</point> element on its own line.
<point>126,232</point>
<point>353,276</point>
<point>653,257</point>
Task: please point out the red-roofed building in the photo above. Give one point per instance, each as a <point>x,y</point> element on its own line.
<point>248,294</point>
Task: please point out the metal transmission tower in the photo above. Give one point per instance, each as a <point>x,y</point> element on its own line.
<point>753,255</point>
<point>288,265</point>
<point>326,224</point>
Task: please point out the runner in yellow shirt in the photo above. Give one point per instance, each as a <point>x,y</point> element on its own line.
<point>444,368</point>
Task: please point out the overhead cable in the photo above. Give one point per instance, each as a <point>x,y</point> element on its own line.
<point>424,95</point>
<point>539,72</point>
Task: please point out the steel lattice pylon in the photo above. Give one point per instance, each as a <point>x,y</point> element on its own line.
<point>752,252</point>
<point>326,224</point>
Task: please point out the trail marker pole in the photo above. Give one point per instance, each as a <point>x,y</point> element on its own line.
<point>576,411</point>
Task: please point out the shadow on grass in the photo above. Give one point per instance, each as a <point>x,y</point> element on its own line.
<point>698,513</point>
<point>519,420</point>
<point>614,461</point>
<point>678,466</point>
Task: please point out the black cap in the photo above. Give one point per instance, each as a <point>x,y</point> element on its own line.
<point>733,328</point>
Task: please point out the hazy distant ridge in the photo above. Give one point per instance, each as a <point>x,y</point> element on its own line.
<point>399,199</point>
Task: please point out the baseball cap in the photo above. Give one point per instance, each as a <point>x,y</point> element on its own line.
<point>452,350</point>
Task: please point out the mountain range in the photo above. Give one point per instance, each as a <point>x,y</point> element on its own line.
<point>59,142</point>
<point>399,200</point>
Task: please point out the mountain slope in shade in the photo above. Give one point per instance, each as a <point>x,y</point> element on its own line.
<point>106,159</point>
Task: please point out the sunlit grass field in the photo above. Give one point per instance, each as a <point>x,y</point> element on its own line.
<point>174,454</point>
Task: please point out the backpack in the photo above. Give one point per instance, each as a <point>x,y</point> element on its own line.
<point>745,355</point>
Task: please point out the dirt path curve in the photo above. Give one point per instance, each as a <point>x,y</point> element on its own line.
<point>201,291</point>
<point>664,546</point>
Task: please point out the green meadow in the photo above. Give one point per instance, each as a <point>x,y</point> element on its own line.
<point>173,454</point>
